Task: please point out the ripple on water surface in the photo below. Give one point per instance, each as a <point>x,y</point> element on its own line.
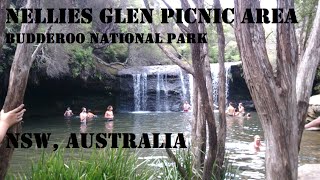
<point>240,132</point>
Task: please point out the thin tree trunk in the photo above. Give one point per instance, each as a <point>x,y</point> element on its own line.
<point>3,14</point>
<point>17,84</point>
<point>306,71</point>
<point>205,111</point>
<point>308,27</point>
<point>199,130</point>
<point>301,39</point>
<point>198,54</point>
<point>222,98</point>
<point>199,144</point>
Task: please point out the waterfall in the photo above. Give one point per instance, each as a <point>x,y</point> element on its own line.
<point>158,104</point>
<point>163,88</point>
<point>136,91</point>
<point>162,102</point>
<point>215,80</point>
<point>191,89</point>
<point>140,88</point>
<point>144,86</point>
<point>183,87</point>
<point>228,73</point>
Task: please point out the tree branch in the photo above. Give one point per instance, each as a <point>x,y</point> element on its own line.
<point>36,51</point>
<point>308,66</point>
<point>169,54</point>
<point>176,60</point>
<point>185,29</point>
<point>108,64</point>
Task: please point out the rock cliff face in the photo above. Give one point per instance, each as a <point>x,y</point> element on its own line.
<point>145,88</point>
<point>165,88</point>
<point>238,90</point>
<point>314,108</point>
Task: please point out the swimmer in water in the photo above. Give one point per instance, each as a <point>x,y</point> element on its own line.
<point>186,106</point>
<point>90,115</point>
<point>230,110</point>
<point>68,112</point>
<point>83,115</point>
<point>256,144</point>
<point>109,113</point>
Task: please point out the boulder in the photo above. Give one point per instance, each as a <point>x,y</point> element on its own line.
<point>314,108</point>
<point>315,100</point>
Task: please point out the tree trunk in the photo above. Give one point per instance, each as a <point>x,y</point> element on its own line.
<point>275,97</point>
<point>204,114</point>
<point>17,84</point>
<point>309,23</point>
<point>306,71</point>
<point>199,130</point>
<point>198,55</point>
<point>3,14</point>
<point>198,61</point>
<point>222,98</point>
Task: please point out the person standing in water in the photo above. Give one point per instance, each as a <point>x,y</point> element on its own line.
<point>186,106</point>
<point>230,110</point>
<point>68,112</point>
<point>109,113</point>
<point>83,115</point>
<point>241,112</point>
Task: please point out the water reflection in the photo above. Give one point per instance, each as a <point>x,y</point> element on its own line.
<point>240,133</point>
<point>83,127</point>
<point>109,126</point>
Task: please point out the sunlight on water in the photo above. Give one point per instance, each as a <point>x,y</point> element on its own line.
<point>240,132</point>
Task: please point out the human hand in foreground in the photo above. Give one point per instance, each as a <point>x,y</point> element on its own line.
<point>10,118</point>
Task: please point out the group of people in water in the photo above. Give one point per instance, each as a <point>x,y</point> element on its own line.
<point>14,116</point>
<point>240,111</point>
<point>230,111</point>
<point>88,115</point>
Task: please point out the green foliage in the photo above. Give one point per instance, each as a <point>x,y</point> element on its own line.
<point>170,171</point>
<point>82,61</point>
<point>185,157</point>
<point>112,164</point>
<point>231,49</point>
<point>306,11</point>
<point>117,52</point>
<point>101,164</point>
